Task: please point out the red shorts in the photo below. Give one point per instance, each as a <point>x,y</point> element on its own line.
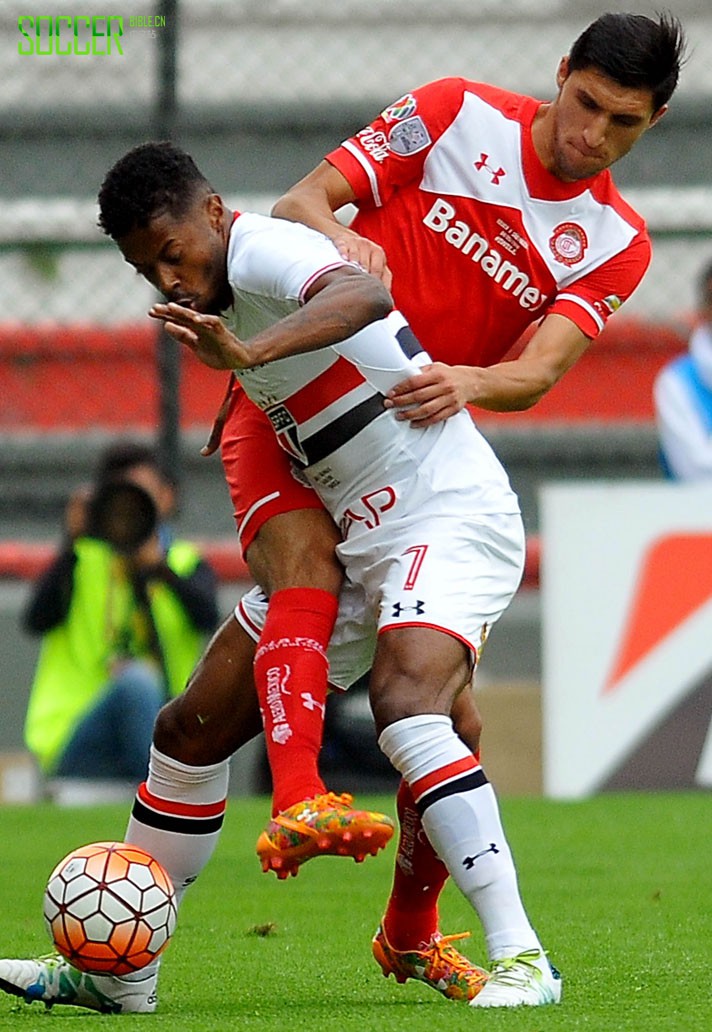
<point>258,471</point>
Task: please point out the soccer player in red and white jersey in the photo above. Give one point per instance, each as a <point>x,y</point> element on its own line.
<point>486,212</point>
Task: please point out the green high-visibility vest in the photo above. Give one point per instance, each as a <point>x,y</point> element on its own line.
<point>104,621</point>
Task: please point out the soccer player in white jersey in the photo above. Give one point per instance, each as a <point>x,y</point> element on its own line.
<point>432,539</point>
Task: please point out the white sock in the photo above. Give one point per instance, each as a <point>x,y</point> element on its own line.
<point>178,814</point>
<point>461,818</point>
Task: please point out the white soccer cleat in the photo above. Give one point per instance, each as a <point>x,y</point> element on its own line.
<point>527,980</point>
<point>53,980</point>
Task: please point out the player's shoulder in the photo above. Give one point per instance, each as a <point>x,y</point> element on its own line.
<point>251,230</point>
<point>251,223</point>
<point>457,88</point>
<point>604,190</point>
<point>516,106</point>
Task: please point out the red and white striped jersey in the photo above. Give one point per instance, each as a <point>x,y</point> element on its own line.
<point>481,238</point>
<point>326,406</point>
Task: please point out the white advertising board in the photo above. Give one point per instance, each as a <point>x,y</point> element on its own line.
<point>627,636</point>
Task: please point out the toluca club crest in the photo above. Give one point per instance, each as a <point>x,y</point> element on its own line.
<point>568,243</point>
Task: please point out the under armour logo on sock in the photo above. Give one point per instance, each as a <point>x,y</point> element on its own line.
<point>469,862</point>
<point>311,703</point>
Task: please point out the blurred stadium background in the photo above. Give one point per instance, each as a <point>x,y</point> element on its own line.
<point>258,92</point>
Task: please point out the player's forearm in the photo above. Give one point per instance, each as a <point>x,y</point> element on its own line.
<point>509,386</point>
<point>517,385</point>
<point>331,315</point>
<point>310,206</point>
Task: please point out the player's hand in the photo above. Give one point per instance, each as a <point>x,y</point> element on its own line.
<point>207,336</point>
<point>430,396</point>
<point>365,253</point>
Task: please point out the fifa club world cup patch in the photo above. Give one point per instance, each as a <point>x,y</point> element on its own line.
<point>608,305</point>
<point>568,243</point>
<point>402,109</point>
<point>409,137</point>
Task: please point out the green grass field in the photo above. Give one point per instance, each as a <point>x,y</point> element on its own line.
<point>619,887</point>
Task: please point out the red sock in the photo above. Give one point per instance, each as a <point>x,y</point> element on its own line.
<point>412,912</point>
<point>291,672</point>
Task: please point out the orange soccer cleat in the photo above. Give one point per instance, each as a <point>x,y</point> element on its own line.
<point>326,825</point>
<point>438,964</point>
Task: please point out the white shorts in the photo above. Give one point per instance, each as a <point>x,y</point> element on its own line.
<point>455,574</point>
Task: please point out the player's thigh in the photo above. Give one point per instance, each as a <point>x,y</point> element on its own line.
<point>286,535</point>
<point>416,670</point>
<point>218,711</point>
<point>296,549</point>
<point>444,580</point>
<point>453,573</point>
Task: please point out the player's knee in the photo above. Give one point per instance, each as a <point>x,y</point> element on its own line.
<point>467,721</point>
<point>167,731</point>
<point>398,689</point>
<point>178,733</point>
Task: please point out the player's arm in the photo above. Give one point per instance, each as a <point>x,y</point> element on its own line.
<point>315,200</point>
<point>337,305</point>
<point>441,390</point>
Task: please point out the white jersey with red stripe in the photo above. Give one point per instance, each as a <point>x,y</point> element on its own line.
<point>327,405</point>
<point>482,240</point>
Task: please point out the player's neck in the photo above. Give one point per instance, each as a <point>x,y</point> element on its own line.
<point>543,136</point>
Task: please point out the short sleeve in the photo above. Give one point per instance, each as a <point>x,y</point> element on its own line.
<point>391,150</point>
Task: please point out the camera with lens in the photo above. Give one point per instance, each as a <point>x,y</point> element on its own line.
<point>122,514</point>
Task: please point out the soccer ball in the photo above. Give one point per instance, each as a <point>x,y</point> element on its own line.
<point>110,908</point>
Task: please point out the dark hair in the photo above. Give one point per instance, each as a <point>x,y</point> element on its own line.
<point>121,456</point>
<point>635,51</point>
<point>149,180</point>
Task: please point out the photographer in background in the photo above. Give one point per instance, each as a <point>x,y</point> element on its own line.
<point>683,399</point>
<point>123,611</point>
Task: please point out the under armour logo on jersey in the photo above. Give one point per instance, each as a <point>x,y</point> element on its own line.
<point>497,174</point>
<point>418,608</point>
<point>311,703</point>
<point>469,862</point>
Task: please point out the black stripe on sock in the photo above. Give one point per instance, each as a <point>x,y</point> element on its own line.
<point>466,784</point>
<point>169,822</point>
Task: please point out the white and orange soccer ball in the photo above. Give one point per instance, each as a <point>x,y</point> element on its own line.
<point>110,908</point>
